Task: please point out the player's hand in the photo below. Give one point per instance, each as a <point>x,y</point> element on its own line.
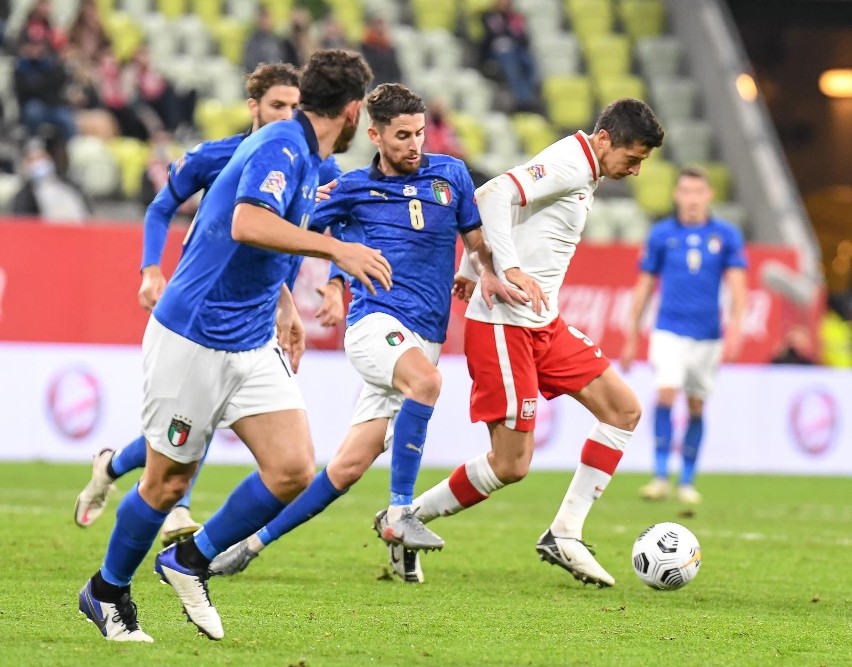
<point>151,289</point>
<point>462,288</point>
<point>491,286</point>
<point>365,264</point>
<point>628,352</point>
<point>291,335</point>
<point>530,287</point>
<point>330,312</point>
<point>324,191</point>
<point>733,344</point>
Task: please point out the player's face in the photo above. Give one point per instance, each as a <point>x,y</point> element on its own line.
<point>616,163</point>
<point>400,144</point>
<point>277,103</point>
<point>350,127</point>
<point>692,198</point>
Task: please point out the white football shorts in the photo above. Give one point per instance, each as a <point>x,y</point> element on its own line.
<point>190,390</point>
<point>684,363</point>
<point>374,344</point>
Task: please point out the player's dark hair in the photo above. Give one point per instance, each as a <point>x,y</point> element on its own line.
<point>390,100</point>
<point>265,76</point>
<point>333,78</point>
<point>693,171</point>
<point>629,120</point>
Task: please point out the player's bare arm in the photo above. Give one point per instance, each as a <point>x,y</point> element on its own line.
<point>151,289</point>
<point>641,295</point>
<point>482,262</point>
<point>259,227</point>
<point>330,313</point>
<point>289,327</point>
<point>736,281</point>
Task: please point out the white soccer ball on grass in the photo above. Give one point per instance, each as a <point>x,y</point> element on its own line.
<point>666,556</point>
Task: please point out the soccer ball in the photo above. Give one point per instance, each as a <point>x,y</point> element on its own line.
<point>666,556</point>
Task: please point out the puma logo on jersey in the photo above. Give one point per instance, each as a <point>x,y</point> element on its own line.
<point>289,154</point>
<point>376,193</point>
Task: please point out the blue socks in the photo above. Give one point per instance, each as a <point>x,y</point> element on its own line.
<point>409,435</point>
<point>131,457</point>
<point>136,528</point>
<point>247,509</point>
<point>313,500</point>
<point>691,445</point>
<point>663,438</point>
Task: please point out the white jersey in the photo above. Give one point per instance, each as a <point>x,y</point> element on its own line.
<point>532,217</point>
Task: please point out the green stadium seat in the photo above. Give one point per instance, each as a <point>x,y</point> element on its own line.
<point>611,88</point>
<point>557,54</point>
<point>471,133</point>
<point>171,9</point>
<point>435,14</point>
<point>653,187</point>
<point>231,35</point>
<point>92,165</point>
<point>279,11</point>
<point>569,101</point>
<point>659,57</point>
<point>212,120</point>
<point>642,18</point>
<point>209,11</point>
<point>607,55</point>
<point>719,176</point>
<point>534,132</point>
<point>132,158</point>
<point>239,117</point>
<point>471,12</point>
<point>589,18</point>
<point>690,141</point>
<point>125,33</point>
<point>675,99</point>
<point>350,13</point>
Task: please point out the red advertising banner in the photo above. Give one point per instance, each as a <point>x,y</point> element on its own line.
<point>78,284</point>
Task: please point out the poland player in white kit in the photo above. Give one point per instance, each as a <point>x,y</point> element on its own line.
<point>533,217</point>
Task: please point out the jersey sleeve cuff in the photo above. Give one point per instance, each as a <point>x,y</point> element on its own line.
<point>258,202</point>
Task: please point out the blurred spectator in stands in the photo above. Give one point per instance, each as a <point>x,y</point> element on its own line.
<point>87,36</point>
<point>117,92</point>
<point>38,28</point>
<point>263,45</point>
<point>441,137</point>
<point>154,93</point>
<point>40,86</point>
<point>332,34</point>
<point>299,43</point>
<point>796,348</point>
<point>836,331</point>
<point>156,174</point>
<point>45,194</point>
<point>380,53</point>
<point>5,10</point>
<point>507,43</point>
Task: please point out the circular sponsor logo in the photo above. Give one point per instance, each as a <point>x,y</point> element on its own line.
<point>814,420</point>
<point>74,402</point>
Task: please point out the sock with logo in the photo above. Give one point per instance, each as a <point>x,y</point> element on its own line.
<point>598,460</point>
<point>409,436</point>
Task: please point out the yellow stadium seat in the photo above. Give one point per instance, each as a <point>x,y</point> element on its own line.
<point>125,34</point>
<point>239,117</point>
<point>642,18</point>
<point>280,11</point>
<point>534,132</point>
<point>569,101</point>
<point>212,119</point>
<point>471,134</point>
<point>589,18</point>
<point>607,55</point>
<point>654,186</point>
<point>132,157</point>
<point>209,11</point>
<point>105,8</point>
<point>350,13</point>
<point>720,179</point>
<point>614,88</point>
<point>435,14</point>
<point>171,9</point>
<point>231,36</point>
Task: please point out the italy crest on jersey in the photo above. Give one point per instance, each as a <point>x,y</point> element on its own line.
<point>714,244</point>
<point>178,432</point>
<point>442,192</point>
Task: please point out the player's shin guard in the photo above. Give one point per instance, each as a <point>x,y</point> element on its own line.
<point>691,445</point>
<point>409,436</point>
<point>469,484</point>
<point>663,440</point>
<point>136,528</point>
<point>600,456</point>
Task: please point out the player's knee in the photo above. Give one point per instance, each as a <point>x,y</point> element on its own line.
<point>165,493</point>
<point>509,471</point>
<point>629,414</point>
<point>426,387</point>
<point>344,473</point>
<point>287,482</point>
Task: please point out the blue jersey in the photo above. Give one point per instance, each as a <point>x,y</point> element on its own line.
<point>194,171</point>
<point>690,261</point>
<point>223,293</point>
<point>414,220</point>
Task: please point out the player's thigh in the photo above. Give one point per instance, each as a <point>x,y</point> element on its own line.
<point>610,400</point>
<point>701,375</point>
<point>375,343</point>
<point>501,365</point>
<point>567,360</point>
<point>186,388</point>
<point>512,452</point>
<point>668,354</point>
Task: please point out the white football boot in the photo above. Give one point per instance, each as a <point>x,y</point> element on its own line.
<point>178,526</point>
<point>405,563</point>
<point>575,556</point>
<point>191,587</point>
<point>657,489</point>
<point>93,498</point>
<point>116,620</point>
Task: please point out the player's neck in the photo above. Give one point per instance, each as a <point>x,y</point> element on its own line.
<point>327,131</point>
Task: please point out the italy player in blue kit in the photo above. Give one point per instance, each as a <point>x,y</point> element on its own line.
<point>273,94</point>
<point>211,357</point>
<point>690,254</point>
<point>412,206</point>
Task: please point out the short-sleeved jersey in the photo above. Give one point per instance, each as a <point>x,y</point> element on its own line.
<point>223,293</point>
<point>689,261</point>
<point>555,191</point>
<point>193,172</point>
<point>414,220</point>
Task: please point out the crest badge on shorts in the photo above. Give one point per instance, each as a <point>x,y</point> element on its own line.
<point>528,406</point>
<point>178,432</point>
<point>441,190</point>
<point>394,338</point>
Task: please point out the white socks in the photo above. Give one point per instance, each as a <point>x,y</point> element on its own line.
<point>469,484</point>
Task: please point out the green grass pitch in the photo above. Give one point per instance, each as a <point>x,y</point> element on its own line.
<point>775,585</point>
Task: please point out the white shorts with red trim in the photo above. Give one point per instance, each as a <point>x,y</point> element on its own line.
<point>510,366</point>
<point>684,363</point>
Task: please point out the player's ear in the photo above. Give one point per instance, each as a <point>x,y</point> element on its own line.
<point>251,103</point>
<point>353,111</point>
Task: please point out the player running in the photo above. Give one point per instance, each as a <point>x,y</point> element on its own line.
<point>533,216</point>
<point>411,206</point>
<point>273,94</point>
<point>210,356</point>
